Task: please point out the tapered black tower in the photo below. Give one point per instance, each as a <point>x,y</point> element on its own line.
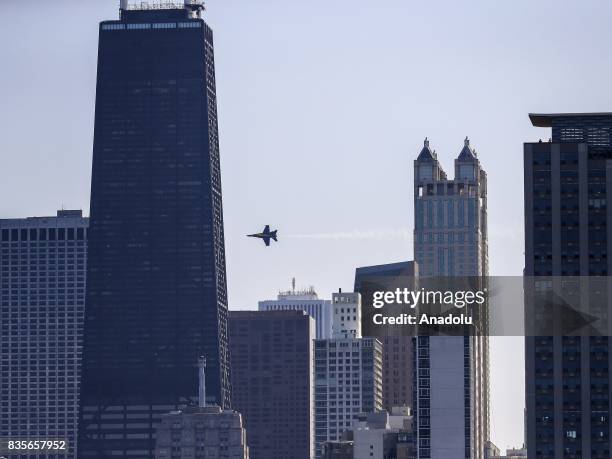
<point>157,296</point>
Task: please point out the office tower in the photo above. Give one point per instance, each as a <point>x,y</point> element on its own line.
<point>346,322</point>
<point>348,381</point>
<point>272,377</point>
<point>42,302</point>
<point>397,350</point>
<point>348,377</point>
<point>202,431</point>
<point>567,234</point>
<point>303,300</point>
<point>156,281</point>
<point>451,373</point>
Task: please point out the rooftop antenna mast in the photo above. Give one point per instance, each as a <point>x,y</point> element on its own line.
<point>202,385</point>
<point>293,284</point>
<point>195,8</point>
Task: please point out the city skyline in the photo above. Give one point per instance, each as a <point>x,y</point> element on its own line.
<point>407,119</point>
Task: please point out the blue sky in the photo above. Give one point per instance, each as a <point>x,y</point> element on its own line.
<point>323,106</point>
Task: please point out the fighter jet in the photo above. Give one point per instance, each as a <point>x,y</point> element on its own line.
<point>266,235</point>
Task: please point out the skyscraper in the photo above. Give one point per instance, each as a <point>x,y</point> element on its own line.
<point>346,322</point>
<point>156,280</point>
<point>397,349</point>
<point>42,302</point>
<point>450,239</point>
<point>272,377</point>
<point>348,374</point>
<point>567,233</point>
<point>303,300</point>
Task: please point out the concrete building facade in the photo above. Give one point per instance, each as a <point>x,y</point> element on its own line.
<point>304,300</point>
<point>397,350</point>
<point>42,301</point>
<point>380,435</point>
<point>272,371</point>
<point>346,310</point>
<point>348,381</point>
<point>202,431</point>
<point>451,393</point>
<point>568,183</point>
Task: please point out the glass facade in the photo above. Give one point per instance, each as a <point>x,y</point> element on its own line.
<point>157,289</point>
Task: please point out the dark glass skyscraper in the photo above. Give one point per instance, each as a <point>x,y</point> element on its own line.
<point>156,280</point>
<point>567,185</point>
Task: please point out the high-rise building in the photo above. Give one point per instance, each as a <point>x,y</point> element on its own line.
<point>397,349</point>
<point>567,181</point>
<point>272,377</point>
<point>156,280</point>
<point>202,431</point>
<point>346,322</point>
<point>42,302</point>
<point>348,376</point>
<point>451,373</point>
<point>303,300</point>
<point>348,381</point>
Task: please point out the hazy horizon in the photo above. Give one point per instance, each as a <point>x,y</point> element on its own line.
<point>322,110</point>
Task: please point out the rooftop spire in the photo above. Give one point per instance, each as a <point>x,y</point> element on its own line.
<point>202,385</point>
<point>467,152</point>
<point>426,153</point>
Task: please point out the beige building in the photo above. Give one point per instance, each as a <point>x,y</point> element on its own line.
<point>202,433</point>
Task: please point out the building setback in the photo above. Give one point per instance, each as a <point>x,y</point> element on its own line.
<point>42,302</point>
<point>568,181</point>
<point>272,377</point>
<point>451,373</point>
<point>397,350</point>
<point>156,295</point>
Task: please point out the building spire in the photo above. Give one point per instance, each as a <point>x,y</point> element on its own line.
<point>466,142</point>
<point>426,142</point>
<point>202,385</point>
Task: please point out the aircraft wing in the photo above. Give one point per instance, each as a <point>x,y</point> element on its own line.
<point>266,229</point>
<point>267,241</point>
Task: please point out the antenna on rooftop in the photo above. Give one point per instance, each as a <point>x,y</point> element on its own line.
<point>293,284</point>
<point>195,8</point>
<point>202,385</point>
